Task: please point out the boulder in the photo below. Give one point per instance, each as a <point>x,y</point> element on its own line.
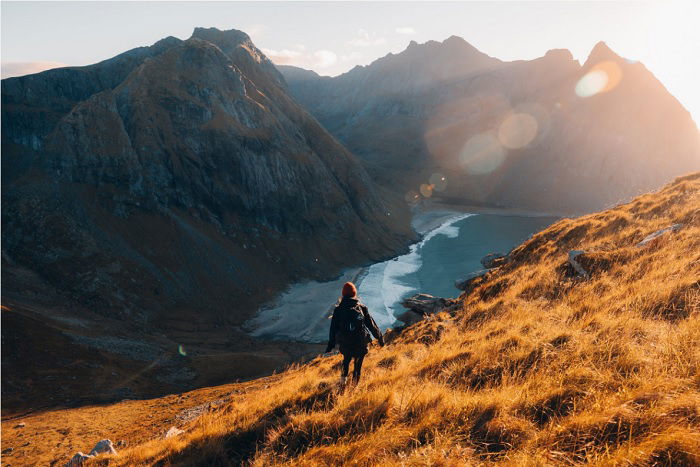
<point>425,304</point>
<point>494,260</point>
<point>651,237</point>
<point>172,432</point>
<point>573,254</point>
<point>104,446</point>
<point>465,283</point>
<point>78,459</point>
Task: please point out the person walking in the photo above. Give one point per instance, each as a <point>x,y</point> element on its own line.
<point>351,326</point>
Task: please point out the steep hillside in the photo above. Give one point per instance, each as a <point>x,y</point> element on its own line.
<point>546,134</point>
<point>532,365</point>
<point>161,196</point>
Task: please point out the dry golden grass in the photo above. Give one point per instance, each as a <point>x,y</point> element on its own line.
<point>536,368</point>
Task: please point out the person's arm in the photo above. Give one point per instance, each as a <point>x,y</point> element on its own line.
<point>372,326</point>
<point>331,335</point>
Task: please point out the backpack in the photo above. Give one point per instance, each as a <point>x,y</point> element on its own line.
<point>352,329</point>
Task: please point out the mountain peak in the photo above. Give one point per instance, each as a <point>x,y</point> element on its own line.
<point>454,40</point>
<point>602,52</point>
<point>225,40</point>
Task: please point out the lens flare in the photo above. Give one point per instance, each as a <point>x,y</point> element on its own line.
<point>603,77</point>
<point>482,154</point>
<point>517,130</point>
<point>438,181</point>
<point>426,190</point>
<point>181,350</point>
<point>412,197</point>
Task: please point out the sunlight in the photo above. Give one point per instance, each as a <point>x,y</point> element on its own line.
<point>517,130</point>
<point>482,154</point>
<point>412,197</point>
<point>438,181</point>
<point>603,77</point>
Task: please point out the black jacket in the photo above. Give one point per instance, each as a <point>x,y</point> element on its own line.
<point>345,305</point>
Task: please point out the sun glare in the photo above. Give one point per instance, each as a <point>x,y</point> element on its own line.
<point>603,77</point>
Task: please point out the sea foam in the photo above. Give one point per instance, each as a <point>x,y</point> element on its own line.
<point>389,282</point>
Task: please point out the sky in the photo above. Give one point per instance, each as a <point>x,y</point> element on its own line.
<point>332,37</point>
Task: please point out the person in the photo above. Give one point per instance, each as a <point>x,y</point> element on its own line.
<point>351,326</point>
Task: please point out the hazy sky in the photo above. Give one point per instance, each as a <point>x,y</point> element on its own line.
<point>332,37</point>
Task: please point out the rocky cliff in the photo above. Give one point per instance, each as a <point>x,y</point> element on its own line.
<point>176,187</point>
<point>546,134</point>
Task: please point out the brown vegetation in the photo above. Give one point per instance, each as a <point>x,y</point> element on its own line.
<point>537,367</point>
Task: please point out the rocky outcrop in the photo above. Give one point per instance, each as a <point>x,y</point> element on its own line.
<point>466,284</point>
<point>172,432</point>
<point>578,269</point>
<point>494,260</point>
<point>536,134</point>
<point>649,239</point>
<point>422,306</point>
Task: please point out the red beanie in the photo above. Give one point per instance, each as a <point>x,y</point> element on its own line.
<point>349,290</point>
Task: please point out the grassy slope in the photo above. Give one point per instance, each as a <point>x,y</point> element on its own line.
<point>534,367</point>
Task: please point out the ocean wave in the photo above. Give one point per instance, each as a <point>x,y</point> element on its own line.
<point>397,276</point>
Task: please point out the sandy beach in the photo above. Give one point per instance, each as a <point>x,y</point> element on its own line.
<point>302,311</point>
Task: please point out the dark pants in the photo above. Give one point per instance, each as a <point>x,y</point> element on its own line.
<point>357,368</point>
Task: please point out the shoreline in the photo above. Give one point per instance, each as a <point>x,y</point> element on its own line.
<point>299,313</point>
<point>276,319</point>
<point>427,206</point>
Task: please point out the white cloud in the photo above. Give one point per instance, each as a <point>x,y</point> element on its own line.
<point>283,57</point>
<point>10,69</point>
<point>405,30</point>
<point>318,59</point>
<point>325,58</point>
<point>365,39</point>
<point>351,57</point>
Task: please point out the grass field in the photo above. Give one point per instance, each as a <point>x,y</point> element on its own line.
<point>536,366</point>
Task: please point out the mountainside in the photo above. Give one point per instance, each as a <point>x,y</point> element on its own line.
<point>173,189</point>
<point>544,134</point>
<point>534,364</point>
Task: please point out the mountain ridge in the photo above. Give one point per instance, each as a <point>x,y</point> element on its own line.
<point>420,131</point>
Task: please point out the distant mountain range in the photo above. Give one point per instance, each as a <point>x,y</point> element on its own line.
<point>530,134</point>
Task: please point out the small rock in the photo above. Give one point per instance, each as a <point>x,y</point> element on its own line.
<point>463,284</point>
<point>8,450</point>
<point>20,425</point>
<point>173,431</point>
<point>651,237</point>
<point>78,459</point>
<point>573,254</point>
<point>494,260</point>
<point>104,446</point>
